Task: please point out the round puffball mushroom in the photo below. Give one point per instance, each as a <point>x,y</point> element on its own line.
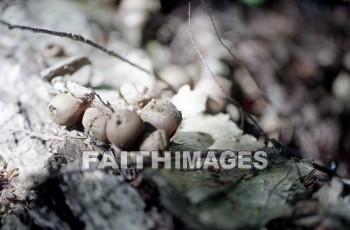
<point>155,141</point>
<point>162,114</point>
<point>90,115</point>
<point>98,128</point>
<point>65,109</point>
<point>124,128</point>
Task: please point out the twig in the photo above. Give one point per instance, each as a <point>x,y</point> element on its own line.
<point>88,95</point>
<point>80,38</point>
<point>37,135</point>
<point>75,37</point>
<point>220,40</point>
<point>271,192</point>
<point>204,61</point>
<point>281,148</point>
<point>233,101</point>
<point>69,66</point>
<point>243,66</point>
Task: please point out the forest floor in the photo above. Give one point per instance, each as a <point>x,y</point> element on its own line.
<point>287,63</point>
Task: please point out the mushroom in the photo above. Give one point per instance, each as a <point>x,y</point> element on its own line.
<point>98,127</point>
<point>124,128</point>
<point>90,115</point>
<point>161,114</point>
<point>65,109</point>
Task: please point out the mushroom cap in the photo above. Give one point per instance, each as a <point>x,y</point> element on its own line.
<point>124,128</point>
<point>162,114</point>
<point>90,115</point>
<point>65,109</point>
<point>98,127</point>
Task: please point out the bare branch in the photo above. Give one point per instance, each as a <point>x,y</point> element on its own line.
<point>243,114</point>
<point>79,38</point>
<point>42,137</point>
<point>75,37</point>
<point>69,66</point>
<point>242,65</point>
<point>220,40</point>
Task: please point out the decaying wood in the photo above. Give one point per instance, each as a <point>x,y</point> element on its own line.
<point>69,67</point>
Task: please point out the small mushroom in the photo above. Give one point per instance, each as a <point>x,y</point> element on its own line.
<point>155,141</point>
<point>161,114</point>
<point>90,115</point>
<point>98,128</point>
<point>124,128</point>
<point>65,109</point>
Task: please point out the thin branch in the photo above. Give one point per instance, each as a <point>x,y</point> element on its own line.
<point>79,38</point>
<point>204,61</point>
<point>233,101</point>
<point>220,40</point>
<point>75,37</point>
<point>69,66</point>
<point>277,144</point>
<point>39,136</point>
<point>271,192</point>
<point>240,64</point>
<point>281,148</point>
<point>228,49</point>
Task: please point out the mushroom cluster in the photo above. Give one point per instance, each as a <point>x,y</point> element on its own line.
<point>151,130</point>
